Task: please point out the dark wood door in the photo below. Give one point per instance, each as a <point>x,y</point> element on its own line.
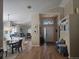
<point>50,33</point>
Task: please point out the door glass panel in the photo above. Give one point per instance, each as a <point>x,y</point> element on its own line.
<point>47,21</point>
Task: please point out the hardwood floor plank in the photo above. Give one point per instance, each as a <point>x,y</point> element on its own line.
<point>42,52</point>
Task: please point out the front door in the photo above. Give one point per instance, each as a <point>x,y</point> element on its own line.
<point>49,33</point>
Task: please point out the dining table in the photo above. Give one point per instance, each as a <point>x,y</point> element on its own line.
<point>12,44</point>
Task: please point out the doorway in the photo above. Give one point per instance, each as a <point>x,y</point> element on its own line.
<point>48,30</point>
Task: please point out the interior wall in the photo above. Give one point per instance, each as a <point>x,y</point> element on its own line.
<point>35,29</point>
<point>74,35</point>
<point>56,11</point>
<point>65,34</point>
<point>76,5</point>
<point>68,8</point>
<point>1,23</point>
<point>59,10</point>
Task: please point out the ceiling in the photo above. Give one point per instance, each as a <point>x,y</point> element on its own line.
<point>19,12</point>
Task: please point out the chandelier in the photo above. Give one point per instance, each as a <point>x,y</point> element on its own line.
<point>11,23</point>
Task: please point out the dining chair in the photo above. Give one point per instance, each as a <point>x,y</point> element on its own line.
<point>19,46</point>
<point>13,46</point>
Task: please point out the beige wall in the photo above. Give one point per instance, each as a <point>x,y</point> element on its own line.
<point>65,34</point>
<point>76,5</point>
<point>1,22</point>
<point>68,8</point>
<point>74,35</point>
<point>58,11</point>
<point>35,29</point>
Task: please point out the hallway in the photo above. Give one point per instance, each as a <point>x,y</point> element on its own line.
<point>42,52</point>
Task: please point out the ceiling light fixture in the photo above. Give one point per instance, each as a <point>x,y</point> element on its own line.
<point>29,7</point>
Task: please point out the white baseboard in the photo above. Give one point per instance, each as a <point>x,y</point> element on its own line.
<point>74,57</point>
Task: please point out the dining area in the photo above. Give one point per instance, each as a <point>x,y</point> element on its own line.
<point>12,46</point>
<point>16,38</point>
<point>13,37</point>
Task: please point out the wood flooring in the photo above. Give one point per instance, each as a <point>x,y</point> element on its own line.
<point>42,52</point>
